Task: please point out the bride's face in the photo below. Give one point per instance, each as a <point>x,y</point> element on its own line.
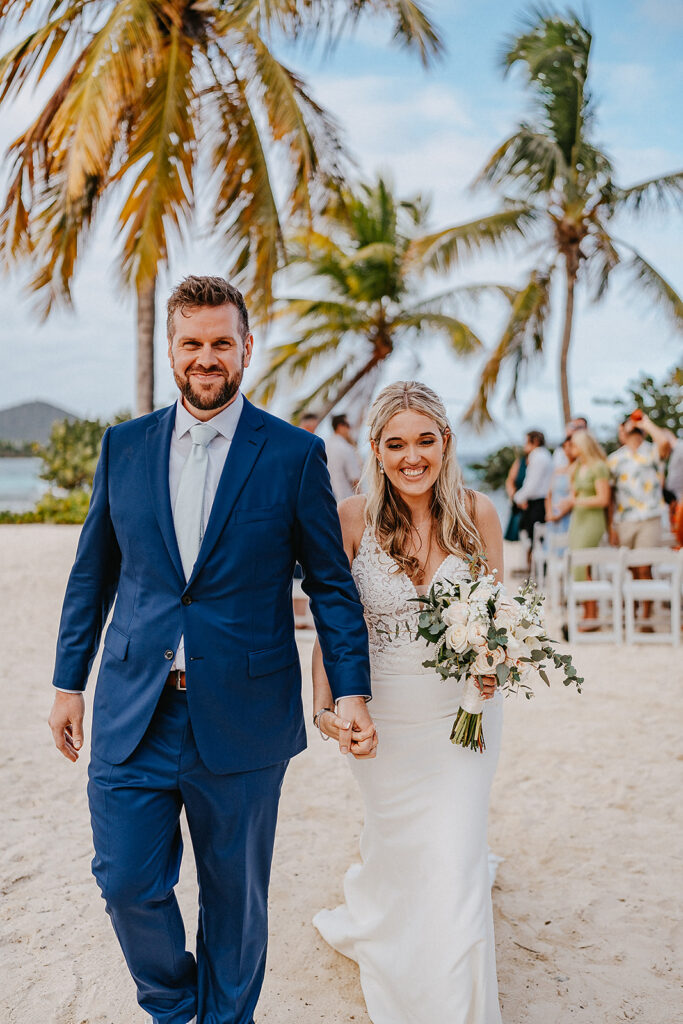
<point>411,450</point>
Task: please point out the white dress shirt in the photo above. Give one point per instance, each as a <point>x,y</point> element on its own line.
<point>344,464</point>
<point>539,471</point>
<point>225,422</point>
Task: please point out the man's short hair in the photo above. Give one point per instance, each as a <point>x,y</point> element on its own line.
<point>193,292</point>
<point>536,437</point>
<point>339,421</point>
<point>309,416</point>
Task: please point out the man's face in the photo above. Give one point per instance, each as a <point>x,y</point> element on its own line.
<point>344,430</point>
<point>208,356</point>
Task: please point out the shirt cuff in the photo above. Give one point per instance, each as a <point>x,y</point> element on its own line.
<point>63,689</point>
<point>365,696</point>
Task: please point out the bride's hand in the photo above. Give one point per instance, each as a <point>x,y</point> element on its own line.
<point>332,725</point>
<point>487,685</point>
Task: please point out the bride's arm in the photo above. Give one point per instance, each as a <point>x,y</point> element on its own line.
<point>488,524</point>
<point>352,519</point>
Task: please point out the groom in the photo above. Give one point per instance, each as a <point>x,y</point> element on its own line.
<point>198,516</point>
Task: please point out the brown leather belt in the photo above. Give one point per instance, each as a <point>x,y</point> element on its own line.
<point>176,679</point>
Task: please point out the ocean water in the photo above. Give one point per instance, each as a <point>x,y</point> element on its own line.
<point>20,484</point>
<point>21,487</point>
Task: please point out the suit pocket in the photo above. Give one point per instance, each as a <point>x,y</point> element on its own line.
<point>262,663</point>
<point>116,643</point>
<point>255,515</point>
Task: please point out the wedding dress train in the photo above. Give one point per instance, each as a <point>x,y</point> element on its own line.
<point>417,914</point>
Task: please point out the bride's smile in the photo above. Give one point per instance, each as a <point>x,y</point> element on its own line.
<point>410,452</point>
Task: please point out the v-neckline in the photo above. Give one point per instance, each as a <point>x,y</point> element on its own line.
<point>431,582</point>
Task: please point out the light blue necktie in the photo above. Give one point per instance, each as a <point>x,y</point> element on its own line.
<point>189,505</point>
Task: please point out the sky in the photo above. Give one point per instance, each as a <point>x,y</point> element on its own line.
<point>430,131</point>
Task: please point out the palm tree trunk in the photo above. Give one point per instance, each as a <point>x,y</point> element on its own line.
<point>145,351</point>
<point>572,267</point>
<point>376,358</point>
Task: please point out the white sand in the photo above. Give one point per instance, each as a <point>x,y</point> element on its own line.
<point>588,820</point>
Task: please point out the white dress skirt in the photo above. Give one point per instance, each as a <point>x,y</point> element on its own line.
<point>417,914</point>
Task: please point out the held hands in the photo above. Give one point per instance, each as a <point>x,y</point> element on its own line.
<point>352,727</point>
<point>487,685</point>
<point>66,723</point>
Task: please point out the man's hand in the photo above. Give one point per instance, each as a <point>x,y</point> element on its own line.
<point>66,723</point>
<point>356,720</point>
<point>613,537</point>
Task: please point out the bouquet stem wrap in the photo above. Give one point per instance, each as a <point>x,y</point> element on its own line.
<point>467,728</point>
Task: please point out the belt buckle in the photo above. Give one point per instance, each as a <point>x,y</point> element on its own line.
<point>178,677</point>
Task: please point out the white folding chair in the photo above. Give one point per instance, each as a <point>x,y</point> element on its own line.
<point>538,554</point>
<point>606,566</point>
<point>556,563</point>
<point>664,588</point>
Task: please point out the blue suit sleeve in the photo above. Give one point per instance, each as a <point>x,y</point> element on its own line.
<point>335,604</point>
<point>91,588</point>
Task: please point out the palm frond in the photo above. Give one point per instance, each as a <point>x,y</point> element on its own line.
<point>161,149</point>
<point>460,336</point>
<point>522,338</point>
<point>601,261</point>
<point>245,210</point>
<point>661,192</point>
<point>530,159</point>
<point>443,249</point>
<point>661,291</point>
<point>555,54</point>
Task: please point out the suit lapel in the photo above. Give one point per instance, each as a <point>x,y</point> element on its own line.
<point>158,446</point>
<point>245,449</point>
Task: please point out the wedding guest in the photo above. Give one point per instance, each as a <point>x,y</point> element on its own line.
<point>637,478</point>
<point>530,497</point>
<point>589,501</point>
<point>309,421</point>
<point>558,503</point>
<point>514,481</point>
<point>560,460</point>
<point>343,460</point>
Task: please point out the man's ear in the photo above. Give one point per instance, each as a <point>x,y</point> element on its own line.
<point>248,348</point>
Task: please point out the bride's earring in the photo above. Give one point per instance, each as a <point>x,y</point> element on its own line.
<point>381,466</point>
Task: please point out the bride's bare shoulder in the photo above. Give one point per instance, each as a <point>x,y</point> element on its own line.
<point>352,519</point>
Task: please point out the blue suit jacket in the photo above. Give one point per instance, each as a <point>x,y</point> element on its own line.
<point>273,506</point>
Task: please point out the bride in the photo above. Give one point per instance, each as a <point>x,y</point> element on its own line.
<point>417,914</point>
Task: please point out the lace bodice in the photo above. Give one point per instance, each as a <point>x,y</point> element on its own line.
<point>388,601</point>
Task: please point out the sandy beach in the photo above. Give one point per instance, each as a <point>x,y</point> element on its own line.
<point>586,811</point>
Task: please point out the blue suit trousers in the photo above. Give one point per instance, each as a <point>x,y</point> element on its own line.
<point>135,810</point>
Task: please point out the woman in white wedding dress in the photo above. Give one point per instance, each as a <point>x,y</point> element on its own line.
<point>417,914</point>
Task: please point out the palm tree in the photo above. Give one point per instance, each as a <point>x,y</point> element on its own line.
<point>159,102</point>
<point>363,262</point>
<point>554,170</point>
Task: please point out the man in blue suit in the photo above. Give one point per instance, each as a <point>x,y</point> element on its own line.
<point>198,516</point>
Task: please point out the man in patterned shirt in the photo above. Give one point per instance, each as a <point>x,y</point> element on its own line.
<point>637,498</point>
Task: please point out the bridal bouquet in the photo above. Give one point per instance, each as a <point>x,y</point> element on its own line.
<point>478,630</point>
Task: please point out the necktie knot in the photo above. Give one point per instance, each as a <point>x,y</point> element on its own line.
<point>202,434</point>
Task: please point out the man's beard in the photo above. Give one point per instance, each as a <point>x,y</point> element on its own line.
<point>209,400</point>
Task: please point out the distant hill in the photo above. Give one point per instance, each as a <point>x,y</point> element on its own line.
<point>31,421</point>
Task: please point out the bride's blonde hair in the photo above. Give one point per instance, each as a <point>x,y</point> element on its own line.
<point>452,503</point>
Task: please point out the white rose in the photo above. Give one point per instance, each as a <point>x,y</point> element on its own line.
<point>484,592</point>
<point>506,619</point>
<point>455,614</point>
<point>486,661</point>
<point>516,649</point>
<point>532,643</point>
<point>477,632</point>
<point>456,637</point>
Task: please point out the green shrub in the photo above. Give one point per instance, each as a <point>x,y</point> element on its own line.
<point>50,509</point>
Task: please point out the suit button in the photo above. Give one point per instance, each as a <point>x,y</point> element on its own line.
<point>186,599</point>
<point>168,655</point>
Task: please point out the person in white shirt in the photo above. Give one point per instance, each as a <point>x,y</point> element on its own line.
<point>343,461</point>
<point>532,494</point>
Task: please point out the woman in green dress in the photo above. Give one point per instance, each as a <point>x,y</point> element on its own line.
<point>590,484</point>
